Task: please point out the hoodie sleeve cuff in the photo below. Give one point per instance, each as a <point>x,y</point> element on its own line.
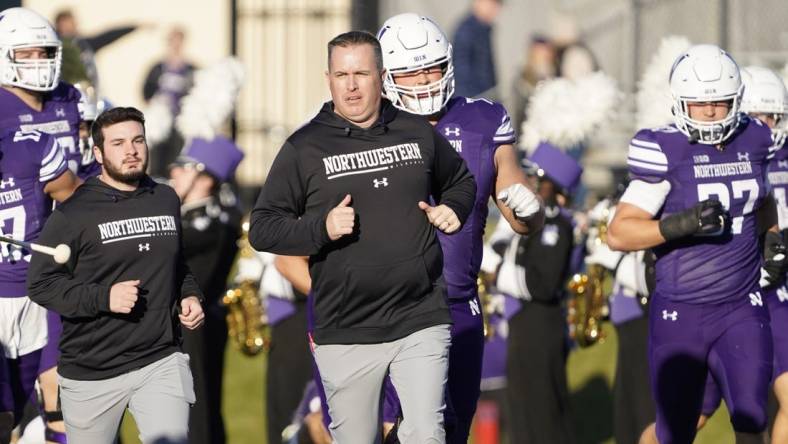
<point>102,298</point>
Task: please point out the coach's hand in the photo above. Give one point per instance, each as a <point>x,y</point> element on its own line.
<point>442,217</point>
<point>341,219</point>
<point>123,296</point>
<point>191,312</point>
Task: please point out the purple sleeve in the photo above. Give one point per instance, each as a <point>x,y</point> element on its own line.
<point>646,159</point>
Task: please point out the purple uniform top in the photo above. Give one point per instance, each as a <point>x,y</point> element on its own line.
<point>710,269</point>
<point>29,161</point>
<point>475,128</point>
<point>59,117</point>
<point>778,179</point>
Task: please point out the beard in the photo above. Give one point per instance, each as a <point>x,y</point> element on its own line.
<point>129,178</point>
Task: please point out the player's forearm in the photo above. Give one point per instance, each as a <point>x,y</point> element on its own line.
<point>633,234</point>
<point>296,270</point>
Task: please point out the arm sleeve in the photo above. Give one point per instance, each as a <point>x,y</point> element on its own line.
<point>453,185</point>
<point>646,159</point>
<point>185,279</point>
<point>105,38</point>
<point>546,265</point>
<point>151,85</point>
<point>504,134</point>
<point>278,224</point>
<point>53,159</point>
<point>54,286</point>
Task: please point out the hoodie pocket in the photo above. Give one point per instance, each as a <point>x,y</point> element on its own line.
<point>376,295</point>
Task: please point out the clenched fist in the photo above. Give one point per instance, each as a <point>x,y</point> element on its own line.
<point>123,296</point>
<point>191,312</point>
<point>442,217</point>
<point>522,201</point>
<point>341,219</point>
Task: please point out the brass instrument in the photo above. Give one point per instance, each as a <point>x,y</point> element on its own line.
<point>247,321</point>
<point>484,283</point>
<point>587,304</point>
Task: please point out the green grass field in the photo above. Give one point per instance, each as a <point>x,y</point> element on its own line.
<point>590,373</point>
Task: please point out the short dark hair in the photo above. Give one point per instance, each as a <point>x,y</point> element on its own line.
<point>356,38</point>
<point>110,117</point>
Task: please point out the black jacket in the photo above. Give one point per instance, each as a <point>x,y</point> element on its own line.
<point>114,236</point>
<point>383,282</point>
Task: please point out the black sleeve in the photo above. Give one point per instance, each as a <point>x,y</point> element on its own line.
<point>453,185</point>
<point>105,38</point>
<point>185,279</point>
<point>278,224</point>
<point>546,265</point>
<point>151,84</point>
<point>54,286</point>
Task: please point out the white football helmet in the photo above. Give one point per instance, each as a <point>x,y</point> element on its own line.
<point>21,28</point>
<point>705,73</point>
<point>765,93</point>
<point>411,42</point>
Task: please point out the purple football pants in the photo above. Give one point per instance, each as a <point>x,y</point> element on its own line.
<point>777,301</point>
<point>731,340</point>
<point>17,381</point>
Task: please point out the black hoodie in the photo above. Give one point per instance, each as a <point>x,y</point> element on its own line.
<point>114,236</point>
<point>383,282</point>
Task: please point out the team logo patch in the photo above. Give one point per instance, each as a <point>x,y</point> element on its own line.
<point>673,315</point>
<point>451,131</point>
<point>756,300</point>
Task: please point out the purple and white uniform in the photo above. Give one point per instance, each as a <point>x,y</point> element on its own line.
<point>475,128</point>
<point>59,117</point>
<point>29,161</point>
<point>707,311</point>
<point>776,297</point>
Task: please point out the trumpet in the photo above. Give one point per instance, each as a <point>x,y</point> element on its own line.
<point>247,321</point>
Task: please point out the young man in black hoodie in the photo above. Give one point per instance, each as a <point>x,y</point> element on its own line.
<point>352,189</point>
<point>118,294</point>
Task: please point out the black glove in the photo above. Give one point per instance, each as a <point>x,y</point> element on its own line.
<point>705,218</point>
<point>775,262</point>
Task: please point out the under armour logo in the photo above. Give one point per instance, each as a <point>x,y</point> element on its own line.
<point>673,316</point>
<point>782,293</point>
<point>475,310</point>
<point>452,131</point>
<point>756,300</point>
<point>782,163</point>
<point>9,183</point>
<point>743,157</point>
<point>144,247</point>
<point>384,182</point>
<point>60,112</point>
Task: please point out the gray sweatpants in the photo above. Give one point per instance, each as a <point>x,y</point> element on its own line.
<point>353,375</point>
<point>158,395</point>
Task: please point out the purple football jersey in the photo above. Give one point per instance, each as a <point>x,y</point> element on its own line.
<point>29,161</point>
<point>59,117</point>
<point>475,128</point>
<point>778,179</point>
<point>707,269</point>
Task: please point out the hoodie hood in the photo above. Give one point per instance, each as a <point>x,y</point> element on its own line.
<point>96,185</point>
<point>328,117</point>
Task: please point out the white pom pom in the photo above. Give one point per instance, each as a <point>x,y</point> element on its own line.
<point>565,112</point>
<point>211,100</point>
<point>653,97</point>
